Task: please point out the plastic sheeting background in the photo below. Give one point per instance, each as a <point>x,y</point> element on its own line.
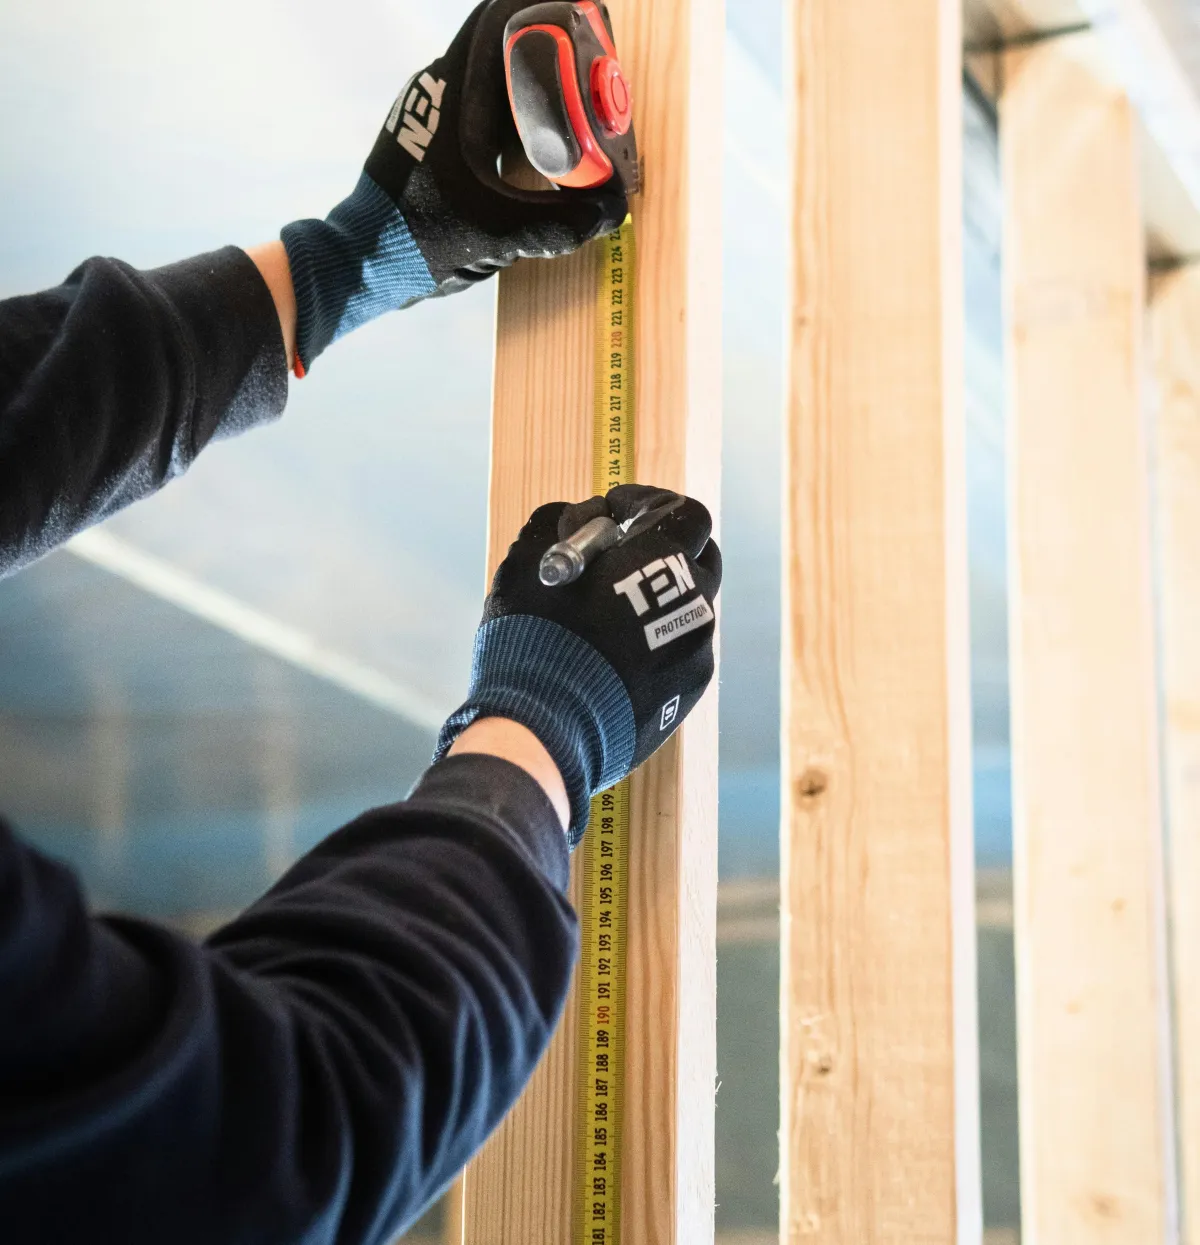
<point>180,768</point>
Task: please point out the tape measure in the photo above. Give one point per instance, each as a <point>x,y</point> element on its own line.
<point>570,97</point>
<point>604,908</point>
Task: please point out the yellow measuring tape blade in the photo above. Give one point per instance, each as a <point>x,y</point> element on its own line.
<point>612,461</point>
<point>604,910</point>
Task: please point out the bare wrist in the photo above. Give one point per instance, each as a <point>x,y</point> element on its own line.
<point>271,260</point>
<point>512,742</point>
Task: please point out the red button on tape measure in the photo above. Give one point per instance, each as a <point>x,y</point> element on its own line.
<point>610,95</point>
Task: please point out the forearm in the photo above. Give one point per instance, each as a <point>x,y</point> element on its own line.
<point>113,382</point>
<point>372,1017</point>
<point>447,956</point>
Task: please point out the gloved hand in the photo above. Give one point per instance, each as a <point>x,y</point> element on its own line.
<point>603,670</point>
<point>430,214</point>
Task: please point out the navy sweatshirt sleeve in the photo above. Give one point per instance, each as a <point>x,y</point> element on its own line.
<point>322,1067</point>
<point>113,382</point>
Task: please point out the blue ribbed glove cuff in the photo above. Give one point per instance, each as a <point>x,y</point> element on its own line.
<point>358,263</point>
<point>545,677</point>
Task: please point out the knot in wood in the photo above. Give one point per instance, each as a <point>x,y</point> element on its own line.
<point>1104,1206</point>
<point>812,783</point>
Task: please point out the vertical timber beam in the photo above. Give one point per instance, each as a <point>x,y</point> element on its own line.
<point>1091,1006</point>
<point>879,1060</point>
<point>520,1189</point>
<point>1175,324</point>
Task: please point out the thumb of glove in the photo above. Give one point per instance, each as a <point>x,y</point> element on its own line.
<point>551,222</point>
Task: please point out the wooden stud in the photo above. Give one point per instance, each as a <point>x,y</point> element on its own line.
<point>1087,825</point>
<point>452,1214</point>
<point>1142,45</point>
<point>1175,321</point>
<point>519,1191</point>
<point>879,1066</point>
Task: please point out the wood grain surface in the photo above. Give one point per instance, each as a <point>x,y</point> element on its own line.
<point>1087,824</point>
<point>879,1070</point>
<point>518,1192</point>
<point>1175,324</point>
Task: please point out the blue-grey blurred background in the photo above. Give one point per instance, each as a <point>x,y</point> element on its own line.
<point>150,731</point>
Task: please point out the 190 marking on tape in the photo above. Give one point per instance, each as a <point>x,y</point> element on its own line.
<point>604,908</point>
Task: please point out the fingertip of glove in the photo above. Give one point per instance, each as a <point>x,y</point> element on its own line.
<point>612,209</point>
<point>692,525</point>
<point>545,517</point>
<point>540,528</point>
<point>628,500</point>
<point>596,215</point>
<point>712,563</point>
<point>574,517</point>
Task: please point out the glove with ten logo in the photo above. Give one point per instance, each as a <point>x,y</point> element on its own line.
<point>603,670</point>
<point>430,214</point>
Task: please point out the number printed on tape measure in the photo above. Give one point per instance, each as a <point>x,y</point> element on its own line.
<point>603,916</point>
<point>614,363</point>
<point>602,986</point>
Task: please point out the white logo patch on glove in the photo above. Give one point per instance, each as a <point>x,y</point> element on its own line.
<point>421,102</point>
<point>666,580</point>
<point>686,618</point>
<point>660,583</point>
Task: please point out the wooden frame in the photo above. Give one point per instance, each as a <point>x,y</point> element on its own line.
<point>1175,323</point>
<point>1091,1005</point>
<point>879,1065</point>
<point>518,1191</point>
<point>879,1057</point>
<point>1131,51</point>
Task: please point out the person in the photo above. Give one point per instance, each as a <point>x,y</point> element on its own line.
<point>321,1068</point>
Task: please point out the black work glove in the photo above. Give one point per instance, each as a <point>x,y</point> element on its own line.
<point>430,214</point>
<point>466,221</point>
<point>603,670</point>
